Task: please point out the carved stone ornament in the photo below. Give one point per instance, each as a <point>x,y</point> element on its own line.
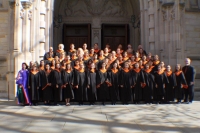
<point>22,13</point>
<point>95,7</point>
<point>96,33</point>
<point>164,15</point>
<point>30,15</point>
<point>26,4</point>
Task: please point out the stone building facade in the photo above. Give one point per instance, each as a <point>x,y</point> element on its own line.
<point>169,28</point>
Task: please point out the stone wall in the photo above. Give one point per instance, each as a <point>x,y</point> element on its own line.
<point>4,37</point>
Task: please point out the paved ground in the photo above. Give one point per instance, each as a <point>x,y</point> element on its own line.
<point>174,118</point>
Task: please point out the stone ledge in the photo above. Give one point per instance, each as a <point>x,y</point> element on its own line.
<point>195,57</point>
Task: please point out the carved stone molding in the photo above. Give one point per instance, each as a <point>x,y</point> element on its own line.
<point>26,4</point>
<point>12,4</point>
<point>95,8</point>
<point>30,15</point>
<point>22,13</point>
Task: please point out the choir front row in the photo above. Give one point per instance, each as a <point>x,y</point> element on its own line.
<point>125,83</point>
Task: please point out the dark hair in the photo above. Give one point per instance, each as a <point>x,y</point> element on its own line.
<point>25,65</point>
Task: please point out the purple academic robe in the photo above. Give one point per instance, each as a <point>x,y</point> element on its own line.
<point>22,92</point>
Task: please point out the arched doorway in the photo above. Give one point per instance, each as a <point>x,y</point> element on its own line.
<point>96,21</point>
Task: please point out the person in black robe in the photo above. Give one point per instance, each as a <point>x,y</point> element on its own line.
<point>181,84</point>
<point>150,83</point>
<point>46,86</point>
<point>189,73</point>
<point>31,63</point>
<point>114,80</point>
<point>34,84</point>
<point>71,50</point>
<point>42,76</point>
<point>103,83</point>
<point>101,59</point>
<point>73,58</point>
<point>56,84</point>
<point>96,48</point>
<point>80,82</point>
<point>156,63</point>
<point>125,82</point>
<point>95,61</point>
<point>91,84</point>
<point>67,76</point>
<point>138,83</point>
<point>169,88</point>
<point>160,81</point>
<point>86,59</point>
<point>49,54</point>
<point>60,50</point>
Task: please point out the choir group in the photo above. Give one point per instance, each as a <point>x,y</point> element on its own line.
<point>82,75</point>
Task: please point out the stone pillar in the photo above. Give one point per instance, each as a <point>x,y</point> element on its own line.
<point>15,56</point>
<point>26,31</point>
<point>96,32</point>
<point>42,36</point>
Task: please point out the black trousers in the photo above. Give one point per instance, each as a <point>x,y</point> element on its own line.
<point>189,92</point>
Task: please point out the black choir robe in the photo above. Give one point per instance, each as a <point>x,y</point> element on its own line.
<point>34,82</point>
<point>161,81</point>
<point>80,79</point>
<point>102,80</point>
<point>47,91</point>
<point>91,82</point>
<point>47,55</point>
<point>150,83</point>
<point>42,77</point>
<point>125,80</point>
<point>169,88</point>
<point>155,68</point>
<point>67,80</point>
<point>138,80</point>
<point>56,80</point>
<point>179,90</point>
<point>114,80</point>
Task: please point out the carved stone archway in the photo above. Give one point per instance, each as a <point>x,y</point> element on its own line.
<point>96,12</point>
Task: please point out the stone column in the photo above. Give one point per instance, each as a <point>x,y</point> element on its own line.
<point>96,31</point>
<point>42,36</point>
<point>151,24</point>
<point>26,31</point>
<point>15,57</point>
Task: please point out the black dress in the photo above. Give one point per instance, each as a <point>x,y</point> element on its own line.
<point>67,80</point>
<point>169,88</point>
<point>138,79</point>
<point>126,81</point>
<point>47,91</point>
<point>42,77</point>
<point>34,83</point>
<point>148,89</point>
<point>91,82</point>
<point>114,80</point>
<point>80,80</point>
<point>178,90</point>
<point>102,80</point>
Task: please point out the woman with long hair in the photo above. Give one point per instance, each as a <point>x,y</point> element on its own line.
<point>181,84</point>
<point>67,76</point>
<point>34,84</point>
<point>46,85</point>
<point>22,85</point>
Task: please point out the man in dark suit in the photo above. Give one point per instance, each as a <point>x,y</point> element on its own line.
<point>189,73</point>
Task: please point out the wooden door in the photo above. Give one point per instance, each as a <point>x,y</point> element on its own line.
<point>115,35</point>
<point>77,34</point>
